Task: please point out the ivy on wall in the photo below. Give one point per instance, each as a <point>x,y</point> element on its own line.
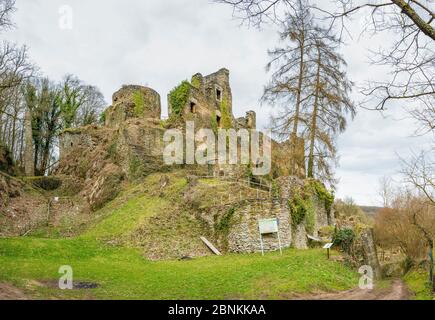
<point>178,97</point>
<point>302,209</point>
<point>322,193</point>
<point>302,203</point>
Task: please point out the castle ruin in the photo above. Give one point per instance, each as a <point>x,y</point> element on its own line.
<point>130,145</point>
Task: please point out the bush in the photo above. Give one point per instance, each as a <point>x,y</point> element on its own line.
<point>344,238</point>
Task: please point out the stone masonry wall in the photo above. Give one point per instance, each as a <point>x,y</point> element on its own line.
<point>245,236</point>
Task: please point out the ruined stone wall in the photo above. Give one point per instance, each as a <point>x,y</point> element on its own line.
<point>245,236</point>
<point>139,148</point>
<point>133,102</point>
<point>247,122</point>
<point>219,82</point>
<point>210,101</point>
<point>72,140</point>
<point>197,109</point>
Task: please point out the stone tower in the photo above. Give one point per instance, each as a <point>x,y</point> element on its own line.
<point>209,103</point>
<point>133,102</point>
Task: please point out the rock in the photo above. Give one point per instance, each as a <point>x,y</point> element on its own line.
<point>370,254</point>
<point>104,188</point>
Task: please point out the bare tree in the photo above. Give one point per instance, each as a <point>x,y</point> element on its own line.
<point>15,67</point>
<point>386,190</point>
<point>289,65</point>
<point>420,173</point>
<point>330,88</point>
<point>257,12</point>
<point>409,23</point>
<point>7,7</point>
<point>311,87</point>
<point>425,117</point>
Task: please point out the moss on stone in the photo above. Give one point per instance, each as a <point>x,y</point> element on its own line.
<point>139,103</point>
<point>196,81</point>
<point>213,122</point>
<point>226,118</point>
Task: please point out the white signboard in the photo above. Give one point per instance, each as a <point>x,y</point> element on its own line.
<point>268,226</point>
<point>327,246</point>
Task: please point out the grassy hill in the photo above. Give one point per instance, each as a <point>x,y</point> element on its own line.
<point>115,247</point>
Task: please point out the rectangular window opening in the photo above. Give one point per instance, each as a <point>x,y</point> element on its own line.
<point>218,95</point>
<point>192,107</point>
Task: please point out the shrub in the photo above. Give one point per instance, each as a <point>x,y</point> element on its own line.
<point>344,238</point>
<point>224,223</point>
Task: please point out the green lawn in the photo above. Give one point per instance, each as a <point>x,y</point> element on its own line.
<point>124,274</point>
<point>102,252</point>
<point>417,281</point>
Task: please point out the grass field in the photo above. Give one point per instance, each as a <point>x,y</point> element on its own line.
<point>122,273</point>
<point>102,253</point>
<point>417,281</point>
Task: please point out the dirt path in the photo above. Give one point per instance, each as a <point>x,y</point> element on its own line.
<point>397,291</point>
<point>9,292</point>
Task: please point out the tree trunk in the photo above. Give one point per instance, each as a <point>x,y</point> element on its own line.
<point>28,150</point>
<point>294,135</point>
<point>14,134</point>
<point>313,129</point>
<point>429,240</point>
<point>431,266</point>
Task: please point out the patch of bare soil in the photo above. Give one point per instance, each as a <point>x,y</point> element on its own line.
<point>77,285</point>
<point>397,291</point>
<point>9,292</point>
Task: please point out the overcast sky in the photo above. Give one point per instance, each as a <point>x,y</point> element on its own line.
<point>159,43</point>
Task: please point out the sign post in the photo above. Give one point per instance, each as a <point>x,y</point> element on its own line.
<point>328,247</point>
<point>268,226</point>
